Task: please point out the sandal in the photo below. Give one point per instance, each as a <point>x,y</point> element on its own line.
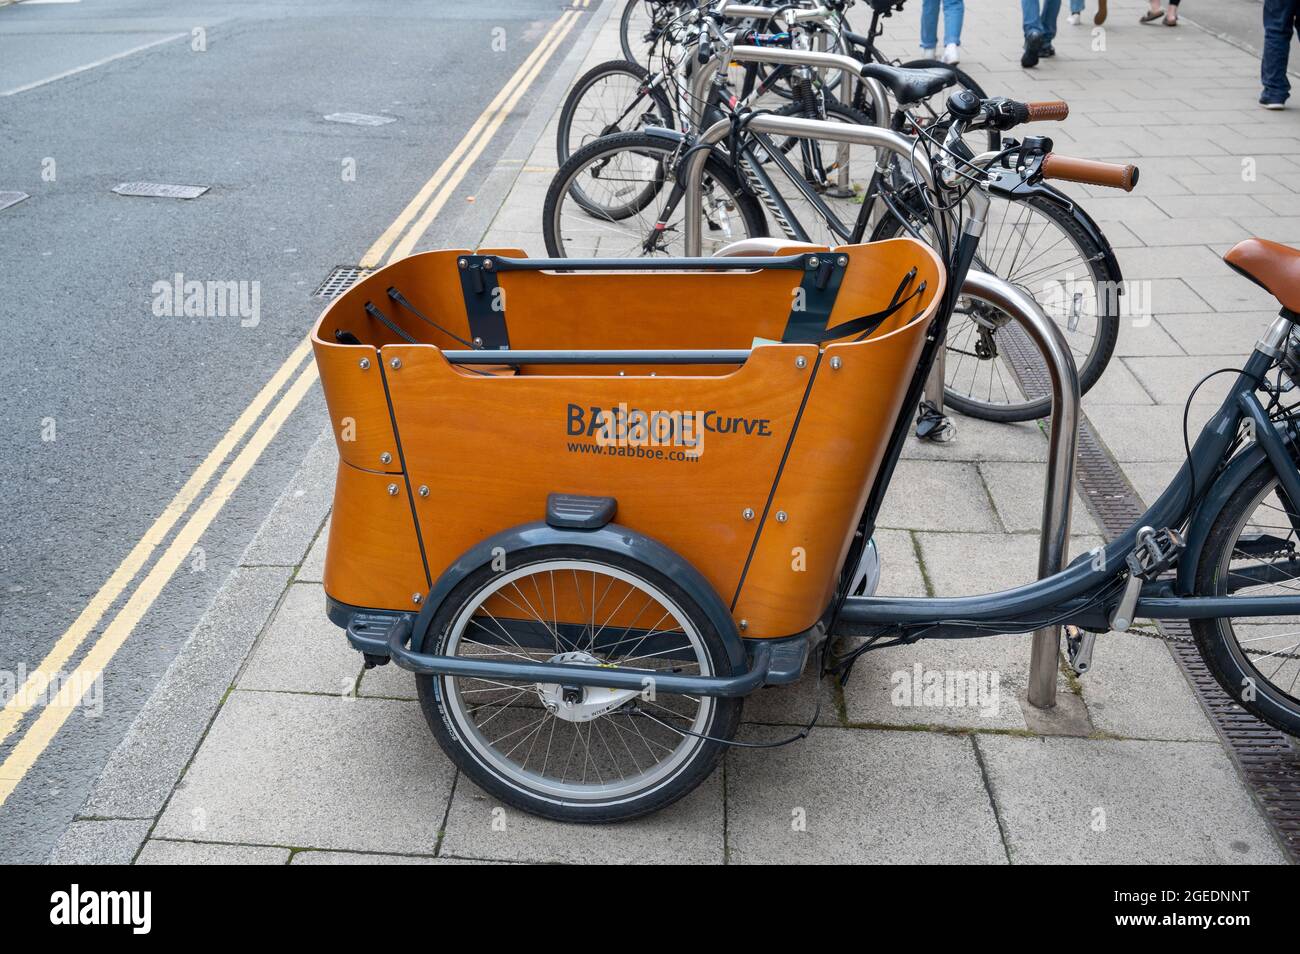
<point>1169,22</point>
<point>1148,17</point>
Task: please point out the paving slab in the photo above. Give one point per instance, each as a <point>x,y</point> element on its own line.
<point>969,564</point>
<point>951,683</point>
<point>1135,689</point>
<point>302,651</point>
<point>687,832</point>
<point>314,771</point>
<point>1099,801</point>
<point>1017,489</point>
<point>143,769</point>
<point>855,796</point>
<point>983,440</point>
<point>937,495</point>
<point>159,852</point>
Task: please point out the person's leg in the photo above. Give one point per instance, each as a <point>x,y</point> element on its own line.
<point>1171,12</point>
<point>929,24</point>
<point>954,12</point>
<point>1051,11</point>
<point>1076,6</point>
<point>1279,24</point>
<point>1031,15</point>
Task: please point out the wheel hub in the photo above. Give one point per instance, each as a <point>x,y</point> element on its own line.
<point>580,703</point>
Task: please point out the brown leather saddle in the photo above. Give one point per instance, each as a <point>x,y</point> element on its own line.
<point>1270,265</point>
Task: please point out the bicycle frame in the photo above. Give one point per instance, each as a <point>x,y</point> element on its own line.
<point>1077,595</point>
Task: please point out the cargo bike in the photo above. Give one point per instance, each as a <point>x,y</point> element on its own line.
<point>592,504</point>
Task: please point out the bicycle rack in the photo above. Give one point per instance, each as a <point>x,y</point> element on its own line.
<point>1042,331</point>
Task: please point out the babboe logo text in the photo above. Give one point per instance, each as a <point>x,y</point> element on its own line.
<point>133,908</point>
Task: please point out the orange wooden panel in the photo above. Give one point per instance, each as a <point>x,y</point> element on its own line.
<point>372,558</point>
<point>491,448</point>
<point>358,407</point>
<point>842,437</point>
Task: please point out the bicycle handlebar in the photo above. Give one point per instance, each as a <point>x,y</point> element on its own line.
<point>1055,109</point>
<point>1090,171</point>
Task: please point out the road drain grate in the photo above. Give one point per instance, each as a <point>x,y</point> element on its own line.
<point>340,280</point>
<point>160,190</point>
<point>1265,757</point>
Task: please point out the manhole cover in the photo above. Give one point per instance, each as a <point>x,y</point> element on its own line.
<point>360,119</point>
<point>340,280</point>
<point>11,198</point>
<point>160,190</point>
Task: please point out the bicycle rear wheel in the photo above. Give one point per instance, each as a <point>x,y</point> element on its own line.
<point>990,363</point>
<point>565,752</point>
<point>611,200</point>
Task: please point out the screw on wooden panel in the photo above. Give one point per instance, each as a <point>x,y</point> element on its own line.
<point>842,260</point>
<point>462,263</point>
<point>801,362</point>
<point>395,363</point>
<point>744,624</point>
<point>365,364</point>
<point>415,597</point>
<point>835,364</point>
<point>385,458</point>
<point>748,513</point>
<point>781,516</point>
<point>424,491</point>
<point>392,490</point>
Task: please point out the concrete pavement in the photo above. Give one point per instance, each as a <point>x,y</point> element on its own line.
<point>294,754</point>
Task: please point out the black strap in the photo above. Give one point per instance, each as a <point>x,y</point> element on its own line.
<point>865,325</point>
<point>400,299</point>
<point>392,326</point>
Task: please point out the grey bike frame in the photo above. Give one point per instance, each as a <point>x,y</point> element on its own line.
<point>1071,595</point>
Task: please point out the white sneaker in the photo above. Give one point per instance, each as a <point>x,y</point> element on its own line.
<point>927,52</point>
<point>1075,19</point>
<point>952,54</point>
<point>1273,105</point>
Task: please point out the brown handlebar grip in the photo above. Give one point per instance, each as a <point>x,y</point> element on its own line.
<point>1090,171</point>
<point>1055,109</point>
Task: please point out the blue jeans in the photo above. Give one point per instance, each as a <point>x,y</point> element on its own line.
<point>953,11</point>
<point>1043,20</point>
<point>1280,22</point>
<point>1076,6</point>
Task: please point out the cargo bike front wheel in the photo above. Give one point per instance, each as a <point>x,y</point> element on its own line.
<point>568,752</point>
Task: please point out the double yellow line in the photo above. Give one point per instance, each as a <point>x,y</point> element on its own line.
<point>397,241</point>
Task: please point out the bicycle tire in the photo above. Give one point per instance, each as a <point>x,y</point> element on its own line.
<point>751,211</point>
<point>563,132</point>
<point>1104,274</point>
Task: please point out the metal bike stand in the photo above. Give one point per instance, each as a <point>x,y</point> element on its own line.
<point>1054,544</point>
<point>1021,306</point>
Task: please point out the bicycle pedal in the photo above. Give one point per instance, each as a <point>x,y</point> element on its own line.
<point>934,426</point>
<point>1154,552</point>
<point>1078,648</point>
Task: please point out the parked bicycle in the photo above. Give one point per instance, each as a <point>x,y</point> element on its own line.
<point>620,196</point>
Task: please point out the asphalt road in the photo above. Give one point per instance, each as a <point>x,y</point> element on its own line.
<point>133,399</point>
